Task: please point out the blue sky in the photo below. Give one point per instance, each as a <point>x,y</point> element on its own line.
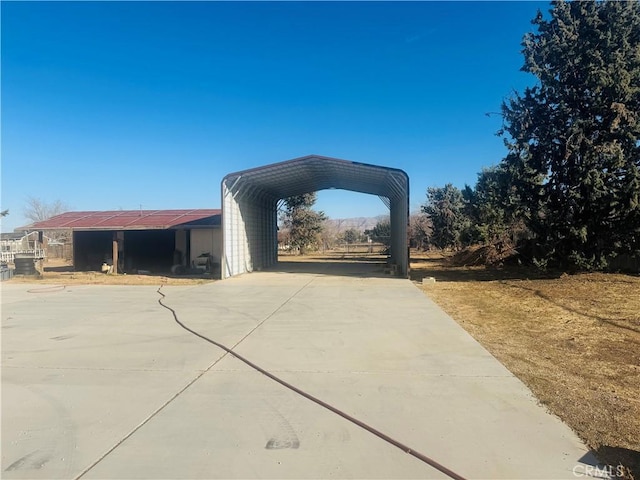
<point>109,105</point>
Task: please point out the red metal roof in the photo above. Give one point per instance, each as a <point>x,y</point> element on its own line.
<point>123,219</point>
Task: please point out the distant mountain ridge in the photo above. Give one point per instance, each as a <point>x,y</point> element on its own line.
<point>358,223</point>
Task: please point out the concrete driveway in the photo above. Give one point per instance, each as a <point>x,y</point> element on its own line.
<point>101,382</point>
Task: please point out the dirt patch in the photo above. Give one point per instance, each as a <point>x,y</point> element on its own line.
<point>59,272</point>
<point>574,340</point>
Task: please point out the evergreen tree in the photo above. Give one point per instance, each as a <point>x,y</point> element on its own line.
<point>445,208</point>
<point>490,205</point>
<point>574,137</point>
<point>351,236</point>
<point>303,223</point>
<point>381,233</point>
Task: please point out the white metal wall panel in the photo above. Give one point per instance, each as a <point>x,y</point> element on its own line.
<point>250,240</point>
<point>233,234</point>
<point>207,240</point>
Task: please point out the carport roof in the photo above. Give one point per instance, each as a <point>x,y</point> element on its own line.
<point>315,172</point>
<point>129,220</point>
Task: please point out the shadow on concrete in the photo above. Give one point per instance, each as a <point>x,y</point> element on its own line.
<point>614,457</point>
<point>334,266</point>
<point>59,269</point>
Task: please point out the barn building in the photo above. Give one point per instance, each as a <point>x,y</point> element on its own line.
<point>157,241</point>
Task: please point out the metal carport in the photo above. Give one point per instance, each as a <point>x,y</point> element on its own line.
<point>250,201</point>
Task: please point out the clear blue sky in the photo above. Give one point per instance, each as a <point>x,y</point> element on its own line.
<point>121,104</point>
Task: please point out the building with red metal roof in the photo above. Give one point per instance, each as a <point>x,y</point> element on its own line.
<point>158,241</point>
<point>127,220</point>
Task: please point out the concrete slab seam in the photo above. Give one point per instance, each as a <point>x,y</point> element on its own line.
<point>159,409</point>
<point>390,440</point>
<point>262,321</point>
<point>146,420</point>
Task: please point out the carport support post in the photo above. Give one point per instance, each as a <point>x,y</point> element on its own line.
<point>115,253</point>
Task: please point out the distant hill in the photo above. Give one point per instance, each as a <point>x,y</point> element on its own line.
<point>358,223</point>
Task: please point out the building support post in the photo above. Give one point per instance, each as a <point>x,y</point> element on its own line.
<point>114,268</point>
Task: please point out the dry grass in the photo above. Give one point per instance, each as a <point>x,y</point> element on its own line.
<point>574,340</point>
<point>56,271</point>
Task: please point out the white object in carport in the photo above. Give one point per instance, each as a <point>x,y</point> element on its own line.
<point>106,268</point>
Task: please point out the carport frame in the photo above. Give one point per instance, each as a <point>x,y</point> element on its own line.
<point>249,200</point>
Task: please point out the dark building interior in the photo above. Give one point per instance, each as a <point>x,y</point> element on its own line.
<point>151,250</point>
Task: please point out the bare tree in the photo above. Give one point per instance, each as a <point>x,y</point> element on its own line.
<point>38,210</point>
<point>329,234</point>
<point>420,229</point>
